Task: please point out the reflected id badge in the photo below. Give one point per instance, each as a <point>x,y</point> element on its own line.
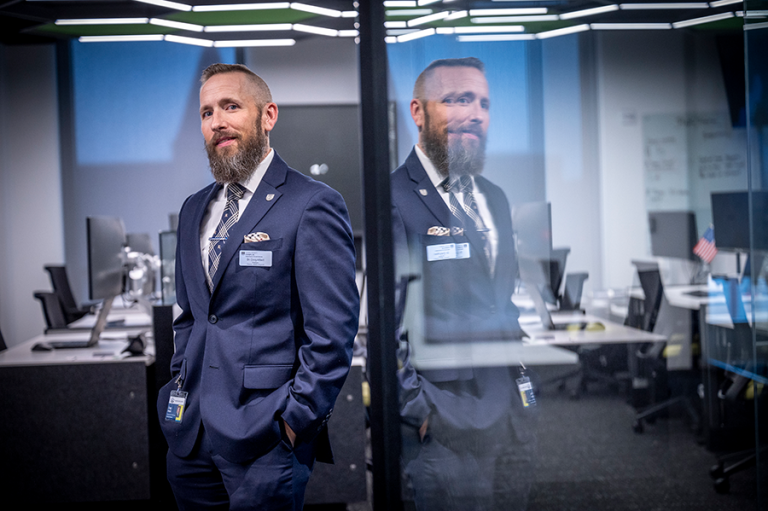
<point>526,391</point>
<point>176,405</point>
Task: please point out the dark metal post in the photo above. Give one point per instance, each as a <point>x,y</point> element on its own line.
<point>382,363</point>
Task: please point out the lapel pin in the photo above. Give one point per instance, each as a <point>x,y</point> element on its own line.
<point>423,191</point>
<point>270,196</point>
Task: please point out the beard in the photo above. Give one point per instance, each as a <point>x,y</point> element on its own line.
<point>237,167</point>
<point>452,159</point>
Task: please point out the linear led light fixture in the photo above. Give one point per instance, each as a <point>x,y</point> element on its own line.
<point>756,26</point>
<point>333,13</point>
<point>241,7</point>
<point>702,20</point>
<point>315,30</point>
<point>721,3</point>
<point>681,5</point>
<point>395,24</point>
<point>415,35</point>
<point>755,14</point>
<point>103,21</point>
<point>348,33</point>
<point>119,38</point>
<point>400,3</point>
<point>254,43</point>
<point>415,22</point>
<point>456,15</point>
<point>508,12</point>
<point>249,28</point>
<point>349,14</point>
<point>589,12</point>
<point>517,19</point>
<point>176,24</point>
<point>494,37</point>
<point>630,26</point>
<point>402,31</point>
<point>408,12</point>
<point>390,40</point>
<point>500,29</point>
<point>562,31</point>
<point>207,43</point>
<point>427,2</point>
<point>169,5</point>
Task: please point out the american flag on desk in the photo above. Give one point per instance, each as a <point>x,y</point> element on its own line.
<point>706,248</point>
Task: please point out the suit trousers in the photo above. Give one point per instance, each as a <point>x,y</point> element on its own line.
<point>275,481</point>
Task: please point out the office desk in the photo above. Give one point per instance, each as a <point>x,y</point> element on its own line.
<point>75,424</point>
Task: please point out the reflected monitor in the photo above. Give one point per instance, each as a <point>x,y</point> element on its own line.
<point>532,222</point>
<point>140,242</point>
<point>673,234</point>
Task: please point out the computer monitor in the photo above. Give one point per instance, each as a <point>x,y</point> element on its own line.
<point>140,242</point>
<point>106,240</point>
<point>730,217</point>
<point>532,222</point>
<point>673,234</point>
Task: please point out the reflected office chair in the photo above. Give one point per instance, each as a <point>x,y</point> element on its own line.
<point>60,283</point>
<point>52,310</point>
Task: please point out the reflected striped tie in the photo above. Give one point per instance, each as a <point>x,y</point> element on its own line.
<point>468,207</point>
<point>229,217</point>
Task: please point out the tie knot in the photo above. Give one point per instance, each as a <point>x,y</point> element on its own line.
<point>235,191</point>
<point>463,184</point>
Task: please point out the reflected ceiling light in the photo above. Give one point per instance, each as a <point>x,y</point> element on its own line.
<point>683,5</point>
<point>104,21</point>
<point>169,5</point>
<point>395,24</point>
<point>249,28</point>
<point>315,30</point>
<point>254,43</point>
<point>753,26</point>
<point>427,2</point>
<point>562,31</point>
<point>494,37</point>
<point>390,40</point>
<point>702,20</point>
<point>241,7</point>
<point>189,40</point>
<point>589,12</point>
<point>409,12</point>
<point>348,33</point>
<point>333,13</point>
<point>119,38</point>
<point>508,12</point>
<point>401,31</point>
<point>756,14</point>
<point>426,19</point>
<point>517,19</point>
<point>455,15</point>
<point>176,24</point>
<point>630,26</point>
<point>489,30</point>
<point>398,3</point>
<point>721,3</point>
<point>415,35</point>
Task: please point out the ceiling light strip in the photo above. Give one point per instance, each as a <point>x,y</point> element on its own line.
<point>721,3</point>
<point>408,12</point>
<point>254,43</point>
<point>455,15</point>
<point>349,14</point>
<point>241,7</point>
<point>415,35</point>
<point>263,27</point>
<point>562,31</point>
<point>494,37</point>
<point>333,13</point>
<point>119,38</point>
<point>427,2</point>
<point>167,4</point>
<point>348,33</point>
<point>508,12</point>
<point>756,26</point>
<point>315,30</point>
<point>103,21</point>
<point>400,3</point>
<point>516,19</point>
<point>390,40</point>
<point>176,24</point>
<point>679,5</point>
<point>395,24</point>
<point>426,19</point>
<point>702,20</point>
<point>497,29</point>
<point>630,26</point>
<point>589,12</point>
<point>207,43</point>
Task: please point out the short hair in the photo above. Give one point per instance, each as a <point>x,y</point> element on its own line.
<point>263,94</point>
<point>420,86</point>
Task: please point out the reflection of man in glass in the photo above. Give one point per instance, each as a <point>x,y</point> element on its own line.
<point>468,439</point>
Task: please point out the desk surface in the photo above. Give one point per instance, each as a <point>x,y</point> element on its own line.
<point>614,333</point>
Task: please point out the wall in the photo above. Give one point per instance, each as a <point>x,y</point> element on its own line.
<point>30,186</point>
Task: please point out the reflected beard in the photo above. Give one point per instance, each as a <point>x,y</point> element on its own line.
<point>454,159</point>
<point>239,166</point>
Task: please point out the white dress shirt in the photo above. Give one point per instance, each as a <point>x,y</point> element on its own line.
<point>216,206</point>
<point>482,203</point>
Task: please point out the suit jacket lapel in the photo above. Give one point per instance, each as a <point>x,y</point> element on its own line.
<point>257,208</point>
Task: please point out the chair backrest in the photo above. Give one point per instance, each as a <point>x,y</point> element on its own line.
<point>52,311</point>
<point>574,287</point>
<point>60,283</point>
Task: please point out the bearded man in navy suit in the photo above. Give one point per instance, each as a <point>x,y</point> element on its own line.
<point>468,438</point>
<point>265,278</point>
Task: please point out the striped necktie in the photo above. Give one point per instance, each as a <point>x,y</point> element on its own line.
<point>229,217</point>
<point>468,208</point>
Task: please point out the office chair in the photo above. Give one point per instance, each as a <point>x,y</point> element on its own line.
<point>52,310</point>
<point>60,283</point>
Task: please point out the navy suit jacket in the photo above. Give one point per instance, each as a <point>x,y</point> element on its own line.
<point>268,342</point>
<point>462,302</point>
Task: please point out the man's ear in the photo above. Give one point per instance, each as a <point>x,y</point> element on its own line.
<point>268,117</point>
<point>417,112</point>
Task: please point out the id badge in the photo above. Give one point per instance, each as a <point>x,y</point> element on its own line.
<point>176,405</point>
<point>526,391</point>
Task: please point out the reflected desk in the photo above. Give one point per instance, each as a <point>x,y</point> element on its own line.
<point>75,424</point>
